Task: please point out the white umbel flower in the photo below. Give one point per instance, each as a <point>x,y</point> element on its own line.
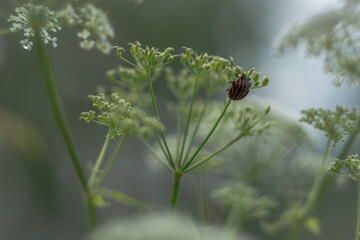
<point>35,20</point>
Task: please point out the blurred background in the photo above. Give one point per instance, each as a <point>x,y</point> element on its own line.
<point>40,195</point>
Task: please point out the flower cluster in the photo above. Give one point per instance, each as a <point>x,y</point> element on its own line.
<point>93,22</point>
<point>335,124</point>
<point>243,201</point>
<point>335,36</point>
<point>148,58</point>
<point>247,118</point>
<point>35,20</point>
<point>117,114</point>
<point>129,83</point>
<point>160,227</point>
<point>203,64</point>
<point>349,167</point>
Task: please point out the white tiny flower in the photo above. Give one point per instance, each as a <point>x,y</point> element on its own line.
<point>34,19</point>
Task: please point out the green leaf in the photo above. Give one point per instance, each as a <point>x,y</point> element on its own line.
<point>313,225</point>
<point>99,201</point>
<point>123,198</point>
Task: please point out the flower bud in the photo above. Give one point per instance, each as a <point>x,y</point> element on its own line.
<point>188,52</point>
<point>267,110</point>
<point>170,59</point>
<point>256,76</point>
<point>205,57</point>
<point>265,81</point>
<point>231,62</point>
<point>248,74</point>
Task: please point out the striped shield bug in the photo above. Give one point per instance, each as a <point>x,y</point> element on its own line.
<point>239,88</point>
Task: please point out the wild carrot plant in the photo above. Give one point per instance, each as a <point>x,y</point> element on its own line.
<point>38,22</point>
<point>333,36</point>
<point>201,73</point>
<point>124,118</point>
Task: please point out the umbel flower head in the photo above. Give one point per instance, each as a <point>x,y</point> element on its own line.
<point>117,114</point>
<point>333,35</point>
<point>35,19</point>
<point>39,19</point>
<point>244,201</point>
<point>94,25</point>
<point>248,120</point>
<point>349,167</point>
<point>335,124</point>
<point>160,227</point>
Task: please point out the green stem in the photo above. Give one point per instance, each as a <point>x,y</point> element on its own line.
<point>233,221</point>
<point>188,120</point>
<point>110,162</point>
<point>57,107</point>
<point>91,209</point>
<point>214,154</point>
<point>197,126</point>
<point>329,179</point>
<point>61,119</point>
<point>358,215</point>
<point>313,195</point>
<point>171,162</point>
<point>4,31</point>
<point>177,177</point>
<point>346,148</point>
<point>208,136</point>
<point>95,170</point>
<point>152,151</point>
<point>178,131</point>
<point>130,63</point>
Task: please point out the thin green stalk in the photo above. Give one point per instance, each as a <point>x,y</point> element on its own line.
<point>156,136</point>
<point>178,131</point>
<point>4,31</point>
<point>175,190</point>
<point>329,179</point>
<point>57,107</point>
<point>130,63</point>
<point>158,117</point>
<point>91,209</point>
<point>152,151</point>
<point>188,120</point>
<point>233,221</point>
<point>208,136</point>
<point>313,195</point>
<point>318,179</point>
<point>346,148</point>
<point>213,154</point>
<point>196,129</point>
<point>358,215</point>
<point>61,119</point>
<point>110,162</point>
<point>99,160</point>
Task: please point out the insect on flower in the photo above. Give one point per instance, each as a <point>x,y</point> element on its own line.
<point>239,88</point>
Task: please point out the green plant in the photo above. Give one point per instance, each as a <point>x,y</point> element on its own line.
<point>200,71</point>
<point>350,167</point>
